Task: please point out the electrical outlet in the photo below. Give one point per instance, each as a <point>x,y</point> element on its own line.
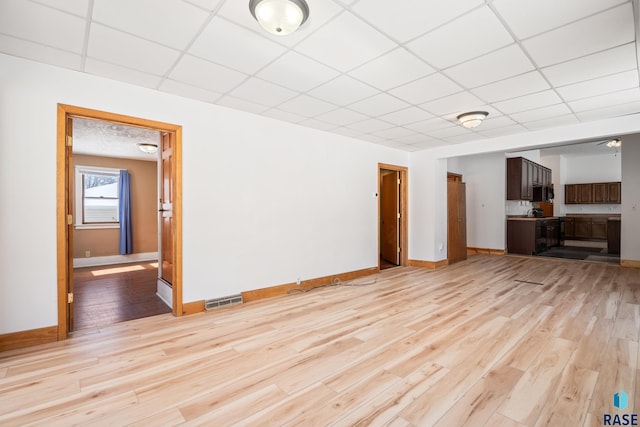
<point>298,281</point>
<point>87,254</point>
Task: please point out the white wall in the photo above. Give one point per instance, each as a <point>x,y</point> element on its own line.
<point>427,207</point>
<point>484,176</point>
<point>630,233</point>
<point>574,169</point>
<point>264,202</point>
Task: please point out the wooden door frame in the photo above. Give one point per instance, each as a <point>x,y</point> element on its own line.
<point>63,193</point>
<point>404,210</point>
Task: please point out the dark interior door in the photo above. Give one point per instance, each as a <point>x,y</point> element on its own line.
<point>390,217</point>
<point>457,221</point>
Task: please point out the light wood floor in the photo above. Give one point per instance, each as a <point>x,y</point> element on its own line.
<point>466,345</point>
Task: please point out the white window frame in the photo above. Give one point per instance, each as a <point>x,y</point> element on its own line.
<point>79,171</point>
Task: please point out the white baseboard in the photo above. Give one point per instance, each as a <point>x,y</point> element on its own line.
<point>114,259</point>
<point>165,292</point>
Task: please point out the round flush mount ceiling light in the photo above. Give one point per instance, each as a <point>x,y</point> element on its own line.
<point>148,148</point>
<point>472,118</point>
<point>279,17</point>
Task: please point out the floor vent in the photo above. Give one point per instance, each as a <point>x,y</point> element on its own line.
<point>211,304</point>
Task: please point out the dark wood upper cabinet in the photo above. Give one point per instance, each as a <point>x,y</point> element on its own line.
<point>593,193</point>
<point>523,175</point>
<point>614,192</point>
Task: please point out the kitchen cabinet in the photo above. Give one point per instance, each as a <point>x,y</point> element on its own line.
<point>613,235</point>
<point>614,190</point>
<point>570,194</point>
<point>587,227</point>
<point>528,236</point>
<point>569,228</point>
<point>525,176</point>
<point>593,193</point>
<point>582,228</point>
<point>599,228</point>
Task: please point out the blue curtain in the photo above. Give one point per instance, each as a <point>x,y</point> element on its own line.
<point>124,200</point>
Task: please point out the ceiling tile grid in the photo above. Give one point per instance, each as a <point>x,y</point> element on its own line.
<point>393,74</point>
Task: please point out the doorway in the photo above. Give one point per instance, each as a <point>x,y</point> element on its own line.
<point>456,219</point>
<point>392,216</point>
<point>170,172</point>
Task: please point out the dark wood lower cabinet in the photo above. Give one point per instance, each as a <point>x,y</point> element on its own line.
<point>599,228</point>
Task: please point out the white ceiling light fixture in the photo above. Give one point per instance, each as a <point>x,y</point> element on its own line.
<point>148,148</point>
<point>472,118</point>
<point>279,17</point>
<point>614,143</point>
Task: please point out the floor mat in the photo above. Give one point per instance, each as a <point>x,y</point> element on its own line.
<point>581,253</point>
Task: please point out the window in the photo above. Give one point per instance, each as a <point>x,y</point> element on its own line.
<point>96,197</point>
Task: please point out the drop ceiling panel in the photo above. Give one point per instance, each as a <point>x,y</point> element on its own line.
<point>410,18</point>
<point>207,5</point>
<point>188,91</point>
<point>378,105</point>
<point>198,72</point>
<point>262,92</point>
<point>512,87</point>
<point>599,86</point>
<point>392,69</point>
<point>613,111</point>
<point>297,72</point>
<point>370,125</point>
<point>458,103</point>
<point>39,52</point>
<point>343,90</point>
<point>590,35</point>
<point>611,61</point>
<point>145,19</point>
<point>496,122</point>
<point>241,104</point>
<point>42,24</point>
<point>235,47</point>
<point>345,43</point>
<point>394,133</point>
<point>116,72</point>
<point>503,131</point>
<point>276,113</point>
<point>306,106</point>
<point>528,102</point>
<point>503,63</point>
<point>551,122</point>
<point>429,125</point>
<point>76,7</point>
<point>426,89</point>
<point>469,36</point>
<point>527,18</point>
<point>317,124</point>
<point>341,117</point>
<point>407,115</point>
<point>607,100</point>
<point>132,52</point>
<point>541,113</point>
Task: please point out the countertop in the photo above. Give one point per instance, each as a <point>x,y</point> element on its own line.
<point>528,218</point>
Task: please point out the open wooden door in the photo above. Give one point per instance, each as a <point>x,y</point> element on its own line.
<point>457,219</point>
<point>390,217</point>
<point>167,241</point>
<point>70,221</point>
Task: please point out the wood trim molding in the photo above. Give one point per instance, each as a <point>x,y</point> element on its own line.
<point>63,114</point>
<point>630,263</point>
<point>278,290</point>
<point>28,338</point>
<point>487,251</point>
<point>428,264</point>
<point>192,307</point>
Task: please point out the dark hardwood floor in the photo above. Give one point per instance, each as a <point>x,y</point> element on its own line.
<point>115,293</point>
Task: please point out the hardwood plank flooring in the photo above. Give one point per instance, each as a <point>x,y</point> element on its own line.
<point>115,293</point>
<point>490,341</point>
